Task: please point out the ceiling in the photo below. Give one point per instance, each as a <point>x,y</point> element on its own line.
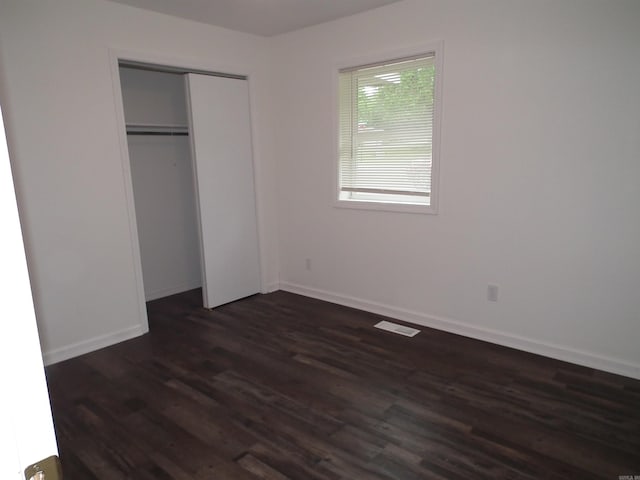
<point>260,17</point>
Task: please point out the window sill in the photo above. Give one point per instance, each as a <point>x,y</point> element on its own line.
<point>386,207</point>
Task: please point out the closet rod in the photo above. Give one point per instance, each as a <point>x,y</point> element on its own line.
<point>173,134</point>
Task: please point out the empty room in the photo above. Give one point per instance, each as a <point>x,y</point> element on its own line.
<point>320,239</point>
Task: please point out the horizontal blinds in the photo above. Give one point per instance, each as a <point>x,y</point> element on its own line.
<point>386,128</point>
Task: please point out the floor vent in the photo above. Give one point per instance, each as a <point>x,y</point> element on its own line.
<point>395,328</point>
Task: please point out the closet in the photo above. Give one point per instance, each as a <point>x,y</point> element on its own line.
<point>190,153</point>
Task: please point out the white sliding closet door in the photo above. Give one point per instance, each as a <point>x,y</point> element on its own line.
<point>222,153</point>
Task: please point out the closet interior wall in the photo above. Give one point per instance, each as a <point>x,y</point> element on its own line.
<point>155,111</point>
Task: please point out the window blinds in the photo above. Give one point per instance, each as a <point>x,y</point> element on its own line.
<point>386,130</point>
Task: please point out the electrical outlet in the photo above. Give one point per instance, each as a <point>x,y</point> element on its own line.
<point>307,264</point>
<point>492,293</point>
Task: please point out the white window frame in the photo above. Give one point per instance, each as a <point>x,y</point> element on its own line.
<point>382,203</point>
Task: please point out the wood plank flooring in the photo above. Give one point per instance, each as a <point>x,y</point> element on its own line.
<point>280,386</point>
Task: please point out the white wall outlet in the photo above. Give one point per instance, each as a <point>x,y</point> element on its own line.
<point>307,263</point>
<point>492,293</point>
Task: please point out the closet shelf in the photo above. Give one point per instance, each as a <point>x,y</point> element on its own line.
<point>156,129</point>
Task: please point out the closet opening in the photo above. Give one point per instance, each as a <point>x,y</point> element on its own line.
<point>188,140</point>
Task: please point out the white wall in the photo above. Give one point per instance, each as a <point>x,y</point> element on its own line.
<point>163,184</point>
<point>61,111</point>
<point>151,97</point>
<point>166,214</point>
<point>539,176</point>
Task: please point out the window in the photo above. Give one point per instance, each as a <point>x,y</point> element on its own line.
<point>387,120</point>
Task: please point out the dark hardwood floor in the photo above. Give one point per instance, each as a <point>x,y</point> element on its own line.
<point>281,386</point>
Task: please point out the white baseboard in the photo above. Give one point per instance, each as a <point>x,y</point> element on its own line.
<point>558,352</point>
<point>271,287</point>
<point>171,291</point>
<point>95,343</point>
